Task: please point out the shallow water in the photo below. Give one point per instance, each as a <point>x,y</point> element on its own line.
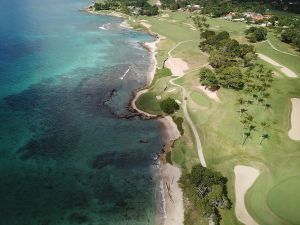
<point>65,158</point>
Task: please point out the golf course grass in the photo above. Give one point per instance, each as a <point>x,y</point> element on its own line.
<point>286,194</point>
<point>274,198</point>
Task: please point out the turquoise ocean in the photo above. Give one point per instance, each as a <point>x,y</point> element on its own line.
<point>66,156</point>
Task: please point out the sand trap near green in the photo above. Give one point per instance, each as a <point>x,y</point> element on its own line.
<point>245,176</point>
<point>294,132</point>
<point>284,200</point>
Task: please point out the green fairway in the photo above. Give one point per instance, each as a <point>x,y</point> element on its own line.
<point>292,62</point>
<point>284,200</point>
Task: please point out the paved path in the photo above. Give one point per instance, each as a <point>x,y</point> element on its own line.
<point>285,70</point>
<point>185,111</point>
<point>276,49</point>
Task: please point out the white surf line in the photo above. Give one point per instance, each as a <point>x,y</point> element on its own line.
<point>103,26</point>
<point>245,177</point>
<point>276,49</point>
<point>122,77</point>
<point>285,70</point>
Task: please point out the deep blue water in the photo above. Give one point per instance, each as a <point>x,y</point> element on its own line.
<point>65,156</point>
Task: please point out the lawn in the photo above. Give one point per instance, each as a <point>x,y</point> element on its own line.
<point>285,194</point>
<point>292,62</point>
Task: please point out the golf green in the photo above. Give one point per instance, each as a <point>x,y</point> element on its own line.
<point>284,200</point>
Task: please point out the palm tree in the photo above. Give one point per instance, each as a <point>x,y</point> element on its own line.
<point>267,106</point>
<point>263,137</point>
<point>255,96</point>
<point>264,125</point>
<point>242,111</point>
<point>261,100</point>
<point>201,23</point>
<point>241,102</point>
<point>266,95</point>
<point>245,137</point>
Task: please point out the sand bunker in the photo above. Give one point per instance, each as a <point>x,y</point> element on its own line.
<point>147,25</point>
<point>177,66</point>
<point>165,15</point>
<point>283,69</point>
<point>192,27</point>
<point>244,179</point>
<point>294,132</point>
<point>173,195</point>
<point>211,94</point>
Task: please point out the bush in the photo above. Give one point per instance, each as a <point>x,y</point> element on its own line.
<point>179,122</point>
<point>206,191</point>
<point>256,34</point>
<point>169,106</point>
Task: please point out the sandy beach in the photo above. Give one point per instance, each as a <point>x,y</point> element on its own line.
<point>173,195</point>
<point>245,176</point>
<point>294,132</point>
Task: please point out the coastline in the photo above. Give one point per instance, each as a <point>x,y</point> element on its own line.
<point>170,175</point>
<point>172,194</point>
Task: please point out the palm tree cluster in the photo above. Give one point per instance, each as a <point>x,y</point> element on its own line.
<point>234,68</point>
<point>255,94</point>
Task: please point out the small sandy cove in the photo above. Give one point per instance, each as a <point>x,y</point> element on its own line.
<point>173,195</point>
<point>294,132</point>
<point>169,129</point>
<point>244,179</point>
<point>177,66</point>
<point>283,69</point>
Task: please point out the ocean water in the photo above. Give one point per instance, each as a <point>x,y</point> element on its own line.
<point>65,155</point>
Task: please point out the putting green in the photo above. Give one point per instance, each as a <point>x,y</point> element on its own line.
<point>284,200</point>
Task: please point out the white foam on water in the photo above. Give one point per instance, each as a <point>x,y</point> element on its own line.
<point>104,26</point>
<point>122,77</point>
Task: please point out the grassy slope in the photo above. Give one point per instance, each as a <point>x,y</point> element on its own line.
<point>219,124</point>
<point>289,61</point>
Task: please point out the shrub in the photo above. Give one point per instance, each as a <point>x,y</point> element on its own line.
<point>169,105</point>
<point>255,34</point>
<point>179,122</point>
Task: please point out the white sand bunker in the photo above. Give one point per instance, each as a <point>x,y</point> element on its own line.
<point>192,27</point>
<point>294,132</point>
<point>165,15</point>
<point>244,179</point>
<point>177,66</point>
<point>283,69</point>
<point>173,195</point>
<point>211,94</point>
<point>147,25</point>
